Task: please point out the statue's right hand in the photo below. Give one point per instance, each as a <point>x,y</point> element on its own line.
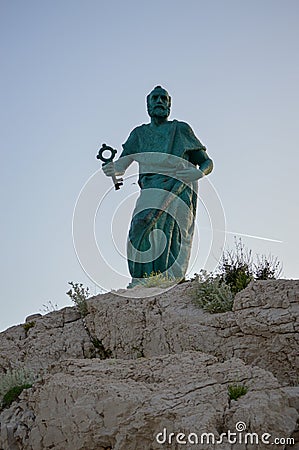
<point>109,169</point>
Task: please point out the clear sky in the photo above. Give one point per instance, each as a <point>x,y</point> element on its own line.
<point>75,74</point>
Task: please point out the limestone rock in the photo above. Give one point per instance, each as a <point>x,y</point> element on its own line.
<point>125,404</point>
<point>169,367</point>
<point>56,336</point>
<point>172,323</point>
<point>262,330</point>
<point>268,313</point>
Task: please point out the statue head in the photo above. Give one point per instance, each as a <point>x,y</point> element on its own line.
<point>158,103</point>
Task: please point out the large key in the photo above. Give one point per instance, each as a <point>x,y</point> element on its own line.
<point>118,182</point>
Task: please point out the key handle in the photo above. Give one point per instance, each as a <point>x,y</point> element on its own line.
<point>118,182</point>
<point>103,149</point>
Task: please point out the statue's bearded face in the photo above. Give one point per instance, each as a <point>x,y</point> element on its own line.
<point>158,103</point>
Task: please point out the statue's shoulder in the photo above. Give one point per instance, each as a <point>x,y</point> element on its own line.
<point>142,126</point>
<point>182,126</point>
<point>140,129</point>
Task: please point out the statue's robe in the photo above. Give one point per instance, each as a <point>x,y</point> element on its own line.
<point>164,215</point>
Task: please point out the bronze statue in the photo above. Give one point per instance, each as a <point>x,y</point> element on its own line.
<point>171,161</point>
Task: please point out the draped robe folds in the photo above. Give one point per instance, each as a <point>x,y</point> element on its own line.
<point>162,225</point>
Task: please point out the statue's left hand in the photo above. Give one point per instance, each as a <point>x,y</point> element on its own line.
<point>189,174</point>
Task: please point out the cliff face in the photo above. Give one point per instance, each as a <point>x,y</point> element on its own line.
<point>138,369</point>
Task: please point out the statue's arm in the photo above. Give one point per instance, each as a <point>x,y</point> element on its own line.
<point>197,155</point>
<point>194,172</point>
<point>117,168</point>
<point>200,163</point>
<point>121,165</point>
<point>201,159</point>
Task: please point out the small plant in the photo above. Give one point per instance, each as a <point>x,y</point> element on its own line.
<point>267,268</point>
<point>211,294</point>
<point>235,268</point>
<point>28,325</point>
<point>79,295</point>
<point>216,292</point>
<point>158,279</point>
<point>13,394</point>
<point>102,352</point>
<point>236,391</point>
<point>12,383</point>
<point>49,307</point>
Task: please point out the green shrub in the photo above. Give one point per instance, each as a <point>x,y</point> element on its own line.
<point>13,382</point>
<point>28,325</point>
<point>267,268</point>
<point>215,292</point>
<point>79,294</point>
<point>13,394</point>
<point>236,391</point>
<point>211,293</point>
<point>236,267</point>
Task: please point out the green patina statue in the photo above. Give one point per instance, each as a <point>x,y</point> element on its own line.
<point>171,161</point>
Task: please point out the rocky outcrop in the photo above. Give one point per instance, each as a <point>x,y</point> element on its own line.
<point>127,404</point>
<point>169,367</point>
<point>44,340</point>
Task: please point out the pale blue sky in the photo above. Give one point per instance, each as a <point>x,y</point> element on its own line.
<point>75,74</point>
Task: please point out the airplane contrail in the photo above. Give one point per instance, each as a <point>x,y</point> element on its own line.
<point>252,236</point>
